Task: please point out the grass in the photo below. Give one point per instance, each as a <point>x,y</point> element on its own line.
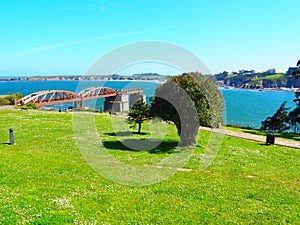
<point>270,77</point>
<point>46,180</point>
<point>230,76</point>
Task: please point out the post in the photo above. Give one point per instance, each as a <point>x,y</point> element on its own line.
<point>270,140</point>
<point>81,101</point>
<point>11,136</point>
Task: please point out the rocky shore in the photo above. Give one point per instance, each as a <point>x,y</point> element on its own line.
<point>286,83</point>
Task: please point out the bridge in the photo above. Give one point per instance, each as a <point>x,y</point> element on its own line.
<point>51,97</point>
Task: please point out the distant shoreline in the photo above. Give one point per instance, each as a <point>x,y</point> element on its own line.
<point>262,89</point>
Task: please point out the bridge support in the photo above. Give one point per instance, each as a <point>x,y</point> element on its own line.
<point>117,103</point>
<point>122,102</point>
<point>134,98</point>
<point>79,104</point>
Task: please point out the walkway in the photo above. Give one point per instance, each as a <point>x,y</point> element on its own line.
<point>254,137</point>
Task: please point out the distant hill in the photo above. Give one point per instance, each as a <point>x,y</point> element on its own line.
<point>258,80</point>
<point>146,74</point>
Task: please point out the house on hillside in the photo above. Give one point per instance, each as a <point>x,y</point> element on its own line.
<point>269,72</point>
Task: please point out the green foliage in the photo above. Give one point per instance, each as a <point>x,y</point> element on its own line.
<point>278,122</point>
<point>188,101</point>
<point>32,106</point>
<point>10,99</point>
<point>294,119</point>
<point>294,115</point>
<point>284,119</point>
<point>4,101</point>
<point>138,114</point>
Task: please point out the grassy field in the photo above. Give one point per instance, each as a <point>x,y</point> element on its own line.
<point>46,180</point>
<point>270,77</point>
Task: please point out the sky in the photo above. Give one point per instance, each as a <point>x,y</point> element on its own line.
<point>65,37</point>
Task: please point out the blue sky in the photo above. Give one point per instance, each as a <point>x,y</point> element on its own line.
<point>65,37</point>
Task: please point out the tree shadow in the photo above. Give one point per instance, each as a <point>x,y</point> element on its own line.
<point>291,136</point>
<point>152,146</point>
<point>253,132</point>
<point>124,133</point>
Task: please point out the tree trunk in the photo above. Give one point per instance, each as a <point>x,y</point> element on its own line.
<point>140,126</point>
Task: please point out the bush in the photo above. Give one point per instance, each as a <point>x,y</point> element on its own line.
<point>10,99</point>
<point>31,105</point>
<point>4,101</point>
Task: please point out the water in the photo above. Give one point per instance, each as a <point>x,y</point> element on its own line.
<point>243,107</point>
<point>248,108</point>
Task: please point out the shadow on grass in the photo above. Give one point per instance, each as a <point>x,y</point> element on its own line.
<point>291,136</point>
<point>6,143</point>
<point>254,132</point>
<point>152,146</point>
<point>124,133</point>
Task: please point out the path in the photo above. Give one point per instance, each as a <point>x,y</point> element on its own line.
<point>254,137</point>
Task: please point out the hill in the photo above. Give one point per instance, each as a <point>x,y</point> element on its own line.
<point>258,81</point>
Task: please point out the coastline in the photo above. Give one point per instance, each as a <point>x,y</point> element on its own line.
<point>101,80</point>
<point>261,89</point>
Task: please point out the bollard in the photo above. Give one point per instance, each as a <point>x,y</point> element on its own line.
<point>11,136</point>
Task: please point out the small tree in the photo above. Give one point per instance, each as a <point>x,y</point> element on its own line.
<point>138,114</point>
<point>277,123</point>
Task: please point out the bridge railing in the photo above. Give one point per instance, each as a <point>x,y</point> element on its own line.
<point>49,97</point>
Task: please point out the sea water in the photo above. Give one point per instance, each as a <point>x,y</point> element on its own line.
<point>245,108</point>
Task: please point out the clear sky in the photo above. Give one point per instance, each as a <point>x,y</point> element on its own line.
<point>49,37</point>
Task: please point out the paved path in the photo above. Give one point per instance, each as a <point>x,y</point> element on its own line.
<point>254,137</point>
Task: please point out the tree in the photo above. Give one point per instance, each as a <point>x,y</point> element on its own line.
<point>278,122</point>
<point>294,119</point>
<point>138,114</point>
<point>187,104</point>
<point>294,116</point>
<point>296,73</point>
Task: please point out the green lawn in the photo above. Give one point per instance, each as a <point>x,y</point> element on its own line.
<point>46,180</point>
<point>270,77</point>
<point>230,76</point>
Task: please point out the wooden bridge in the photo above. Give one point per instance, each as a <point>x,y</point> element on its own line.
<point>51,97</point>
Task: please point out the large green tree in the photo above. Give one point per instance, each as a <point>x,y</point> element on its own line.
<point>138,114</point>
<point>188,101</point>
